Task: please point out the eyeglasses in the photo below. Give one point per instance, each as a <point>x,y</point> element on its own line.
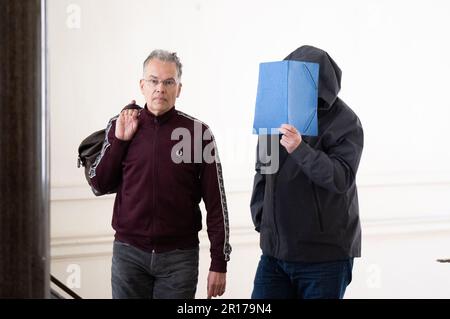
<point>168,83</point>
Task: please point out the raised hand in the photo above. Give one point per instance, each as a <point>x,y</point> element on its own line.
<point>127,124</point>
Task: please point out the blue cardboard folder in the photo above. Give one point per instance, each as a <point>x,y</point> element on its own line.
<point>287,93</point>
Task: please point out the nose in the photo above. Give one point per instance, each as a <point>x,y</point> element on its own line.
<point>160,87</point>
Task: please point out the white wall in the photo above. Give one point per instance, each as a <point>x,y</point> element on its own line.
<point>394,60</point>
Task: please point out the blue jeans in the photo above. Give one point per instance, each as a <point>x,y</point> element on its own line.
<point>139,274</point>
<point>277,279</point>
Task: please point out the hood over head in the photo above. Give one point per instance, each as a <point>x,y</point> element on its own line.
<point>329,73</point>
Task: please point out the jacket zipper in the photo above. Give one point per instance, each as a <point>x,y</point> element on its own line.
<point>155,138</point>
<point>277,237</point>
<point>153,257</point>
<point>275,216</point>
<point>319,213</point>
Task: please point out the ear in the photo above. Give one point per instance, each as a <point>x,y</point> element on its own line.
<point>141,85</point>
<point>179,89</point>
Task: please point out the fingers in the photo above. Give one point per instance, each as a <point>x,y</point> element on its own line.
<point>222,291</point>
<point>216,284</point>
<point>287,133</point>
<point>288,143</point>
<point>210,291</point>
<point>286,140</point>
<point>219,290</point>
<point>290,140</point>
<point>216,290</point>
<point>288,130</point>
<point>129,113</point>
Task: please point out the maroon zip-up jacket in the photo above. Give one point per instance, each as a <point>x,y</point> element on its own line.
<point>157,203</point>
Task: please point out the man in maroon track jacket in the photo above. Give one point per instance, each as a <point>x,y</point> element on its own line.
<point>163,162</point>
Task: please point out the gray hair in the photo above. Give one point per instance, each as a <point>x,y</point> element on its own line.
<point>165,56</point>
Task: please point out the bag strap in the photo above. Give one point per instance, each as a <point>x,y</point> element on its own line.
<point>133,106</point>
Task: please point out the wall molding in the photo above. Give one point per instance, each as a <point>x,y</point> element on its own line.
<point>406,226</point>
<point>87,246</point>
<point>243,185</point>
<point>95,246</point>
<point>75,192</point>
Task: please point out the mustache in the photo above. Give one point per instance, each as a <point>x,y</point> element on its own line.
<point>159,97</point>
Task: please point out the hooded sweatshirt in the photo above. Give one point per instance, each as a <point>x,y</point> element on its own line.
<point>307,211</point>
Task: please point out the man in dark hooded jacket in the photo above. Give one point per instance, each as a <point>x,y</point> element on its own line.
<point>307,211</point>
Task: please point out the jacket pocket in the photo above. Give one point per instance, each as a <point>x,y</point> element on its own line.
<point>318,210</point>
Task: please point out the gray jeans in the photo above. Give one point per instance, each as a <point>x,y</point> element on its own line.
<point>139,274</point>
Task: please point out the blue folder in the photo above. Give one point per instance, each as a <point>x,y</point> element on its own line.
<point>287,93</point>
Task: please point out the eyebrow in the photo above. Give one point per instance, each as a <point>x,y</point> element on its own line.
<point>155,77</point>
